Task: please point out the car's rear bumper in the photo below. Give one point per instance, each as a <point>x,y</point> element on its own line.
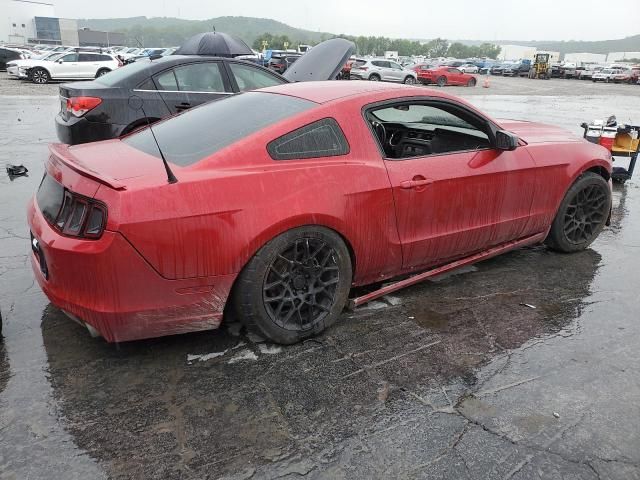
<point>106,284</point>
<point>80,130</point>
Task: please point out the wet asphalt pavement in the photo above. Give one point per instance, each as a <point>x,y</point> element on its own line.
<point>459,378</point>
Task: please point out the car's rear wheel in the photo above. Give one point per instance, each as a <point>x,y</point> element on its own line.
<point>582,214</point>
<point>295,286</point>
<point>102,71</point>
<point>442,81</point>
<point>409,80</point>
<point>471,82</point>
<point>40,75</point>
<point>374,78</point>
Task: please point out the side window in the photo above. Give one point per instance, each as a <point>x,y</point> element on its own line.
<point>422,129</point>
<point>395,65</point>
<point>103,58</point>
<point>86,57</point>
<point>375,63</point>
<point>69,58</point>
<point>251,78</point>
<point>200,77</point>
<point>323,138</point>
<point>166,81</point>
<point>147,85</point>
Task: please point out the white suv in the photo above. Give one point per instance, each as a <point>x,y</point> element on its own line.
<point>72,66</point>
<point>378,70</point>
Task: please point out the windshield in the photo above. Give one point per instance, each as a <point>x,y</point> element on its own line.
<point>198,133</point>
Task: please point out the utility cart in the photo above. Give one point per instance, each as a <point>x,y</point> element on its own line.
<point>623,141</point>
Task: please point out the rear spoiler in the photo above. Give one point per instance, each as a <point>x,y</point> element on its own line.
<point>61,153</point>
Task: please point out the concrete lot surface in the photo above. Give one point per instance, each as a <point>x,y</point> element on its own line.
<point>458,378</point>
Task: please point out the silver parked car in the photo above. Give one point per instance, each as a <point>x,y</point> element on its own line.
<point>378,70</point>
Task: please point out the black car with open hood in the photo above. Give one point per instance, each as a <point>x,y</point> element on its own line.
<point>100,109</point>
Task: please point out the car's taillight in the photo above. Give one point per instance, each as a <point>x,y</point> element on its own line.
<point>81,216</point>
<point>78,106</point>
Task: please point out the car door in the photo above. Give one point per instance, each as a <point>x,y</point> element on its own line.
<point>87,65</point>
<point>456,77</point>
<point>396,72</point>
<point>189,85</point>
<point>66,66</point>
<point>454,203</point>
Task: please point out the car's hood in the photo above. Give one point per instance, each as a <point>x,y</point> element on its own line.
<point>532,132</point>
<point>322,62</point>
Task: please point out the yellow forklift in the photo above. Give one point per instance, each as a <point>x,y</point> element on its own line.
<point>541,67</point>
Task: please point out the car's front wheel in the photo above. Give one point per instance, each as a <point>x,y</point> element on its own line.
<point>582,214</point>
<point>40,75</point>
<point>295,286</point>
<point>409,80</point>
<point>471,82</point>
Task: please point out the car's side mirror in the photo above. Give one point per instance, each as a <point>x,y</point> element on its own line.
<point>60,61</point>
<point>506,140</point>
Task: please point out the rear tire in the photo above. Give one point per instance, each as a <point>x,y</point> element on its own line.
<point>582,214</point>
<point>442,81</point>
<point>295,286</point>
<point>40,76</point>
<point>102,71</point>
<point>471,82</point>
<point>374,78</point>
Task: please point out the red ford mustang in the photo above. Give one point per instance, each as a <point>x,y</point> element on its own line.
<point>445,76</point>
<point>300,192</point>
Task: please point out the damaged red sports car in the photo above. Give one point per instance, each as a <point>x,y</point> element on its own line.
<point>287,197</point>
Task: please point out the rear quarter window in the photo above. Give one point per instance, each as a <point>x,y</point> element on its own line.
<point>202,131</point>
<point>323,138</point>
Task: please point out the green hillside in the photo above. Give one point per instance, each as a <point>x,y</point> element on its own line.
<point>166,31</point>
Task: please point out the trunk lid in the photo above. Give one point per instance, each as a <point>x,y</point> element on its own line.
<point>111,163</point>
<point>322,62</point>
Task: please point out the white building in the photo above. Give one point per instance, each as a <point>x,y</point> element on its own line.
<point>585,58</point>
<point>33,21</point>
<point>516,52</point>
<point>614,57</point>
<point>17,19</point>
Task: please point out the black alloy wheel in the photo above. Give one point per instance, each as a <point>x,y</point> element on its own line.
<point>295,286</point>
<point>582,215</point>
<point>300,286</point>
<point>585,213</point>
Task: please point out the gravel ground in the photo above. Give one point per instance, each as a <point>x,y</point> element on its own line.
<point>457,378</point>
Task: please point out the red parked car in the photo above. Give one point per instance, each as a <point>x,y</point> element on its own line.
<point>446,76</point>
<point>301,192</point>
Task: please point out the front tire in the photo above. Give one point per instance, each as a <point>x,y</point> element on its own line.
<point>295,286</point>
<point>40,76</point>
<point>471,82</point>
<point>582,214</point>
<point>409,80</point>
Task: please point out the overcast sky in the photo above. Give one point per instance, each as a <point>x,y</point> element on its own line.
<point>452,19</point>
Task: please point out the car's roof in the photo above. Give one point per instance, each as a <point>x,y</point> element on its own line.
<point>327,91</point>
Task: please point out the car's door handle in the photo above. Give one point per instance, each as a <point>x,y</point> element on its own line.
<point>418,181</point>
<point>183,106</point>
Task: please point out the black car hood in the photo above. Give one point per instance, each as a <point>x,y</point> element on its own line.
<point>322,62</point>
